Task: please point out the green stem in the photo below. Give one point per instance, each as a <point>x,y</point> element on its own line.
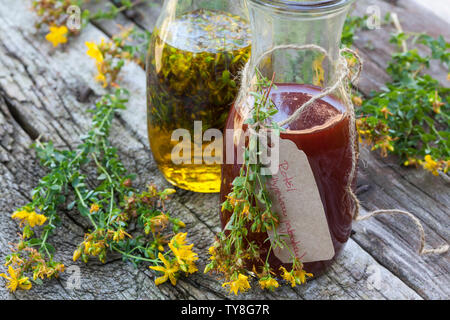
<point>154,261</point>
<point>77,191</point>
<point>103,169</point>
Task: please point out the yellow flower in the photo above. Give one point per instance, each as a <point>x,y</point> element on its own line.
<point>94,208</point>
<point>87,246</point>
<point>40,272</point>
<point>385,145</point>
<point>269,283</point>
<point>30,217</point>
<point>300,275</point>
<point>183,253</point>
<point>288,276</point>
<point>101,78</point>
<point>179,239</point>
<point>246,209</point>
<point>14,260</point>
<point>385,111</point>
<point>181,224</point>
<point>169,191</point>
<point>410,162</point>
<point>94,52</point>
<point>431,165</point>
<point>15,281</point>
<point>241,283</point>
<point>170,271</point>
<point>319,73</point>
<point>120,235</point>
<point>357,101</point>
<point>35,219</point>
<point>437,103</point>
<point>76,254</point>
<point>295,277</point>
<point>213,252</point>
<point>57,35</point>
<point>159,222</point>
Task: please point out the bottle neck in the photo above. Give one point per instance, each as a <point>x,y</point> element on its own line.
<point>179,7</point>
<point>278,23</point>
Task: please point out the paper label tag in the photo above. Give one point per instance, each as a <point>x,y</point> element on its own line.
<point>296,199</point>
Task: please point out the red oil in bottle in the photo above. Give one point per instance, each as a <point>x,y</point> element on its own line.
<point>322,132</point>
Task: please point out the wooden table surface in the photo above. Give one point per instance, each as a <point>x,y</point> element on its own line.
<point>47,92</point>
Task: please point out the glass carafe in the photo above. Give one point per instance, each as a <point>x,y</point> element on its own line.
<point>196,52</point>
<point>322,132</point>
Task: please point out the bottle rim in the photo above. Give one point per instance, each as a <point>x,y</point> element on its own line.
<point>307,6</point>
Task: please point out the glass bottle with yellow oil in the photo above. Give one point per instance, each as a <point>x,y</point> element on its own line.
<point>196,53</point>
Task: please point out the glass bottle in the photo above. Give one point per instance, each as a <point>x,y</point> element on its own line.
<point>322,131</point>
<point>196,51</point>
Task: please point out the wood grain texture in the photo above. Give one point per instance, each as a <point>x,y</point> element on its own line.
<point>43,92</point>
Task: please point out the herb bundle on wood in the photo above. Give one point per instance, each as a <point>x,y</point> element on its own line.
<point>410,116</point>
<point>110,207</point>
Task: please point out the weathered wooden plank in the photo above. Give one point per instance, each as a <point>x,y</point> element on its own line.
<point>393,241</point>
<point>39,86</point>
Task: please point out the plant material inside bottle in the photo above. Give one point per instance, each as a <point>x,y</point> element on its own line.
<point>192,75</point>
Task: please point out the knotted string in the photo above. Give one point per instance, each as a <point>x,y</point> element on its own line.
<point>344,77</point>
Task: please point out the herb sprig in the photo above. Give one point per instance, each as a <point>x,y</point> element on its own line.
<point>410,116</point>
<point>110,207</point>
<point>249,203</point>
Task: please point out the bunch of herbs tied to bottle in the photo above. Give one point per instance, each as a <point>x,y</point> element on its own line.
<point>232,254</point>
<point>113,207</point>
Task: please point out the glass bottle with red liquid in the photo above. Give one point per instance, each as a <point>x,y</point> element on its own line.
<point>322,131</point>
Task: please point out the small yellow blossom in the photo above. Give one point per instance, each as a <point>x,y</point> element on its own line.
<point>14,260</point>
<point>233,201</point>
<point>159,222</point>
<point>169,191</point>
<point>437,103</point>
<point>411,162</point>
<point>213,252</point>
<point>385,145</point>
<point>181,224</point>
<point>94,52</point>
<point>76,254</point>
<point>30,217</point>
<point>269,283</point>
<point>94,208</point>
<point>57,35</point>
<point>120,235</point>
<point>170,271</point>
<point>288,276</point>
<point>246,209</point>
<point>357,101</point>
<point>183,253</point>
<point>241,283</point>
<point>301,275</point>
<point>431,165</point>
<point>15,280</point>
<point>101,78</point>
<point>385,111</point>
<point>319,73</point>
<point>295,276</point>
